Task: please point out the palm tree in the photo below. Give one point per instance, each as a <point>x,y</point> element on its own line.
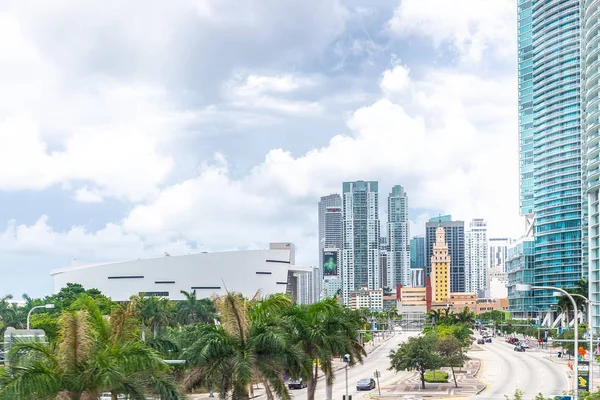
<point>324,330</point>
<point>466,316</point>
<point>155,312</point>
<point>193,310</point>
<point>248,346</point>
<point>93,354</point>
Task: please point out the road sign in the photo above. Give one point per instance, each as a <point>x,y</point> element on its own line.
<point>583,376</point>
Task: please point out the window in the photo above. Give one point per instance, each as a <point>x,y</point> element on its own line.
<point>164,282</point>
<point>206,287</point>
<point>263,273</point>
<point>127,277</point>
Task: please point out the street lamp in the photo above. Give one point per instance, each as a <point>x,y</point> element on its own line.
<point>526,288</point>
<point>36,307</point>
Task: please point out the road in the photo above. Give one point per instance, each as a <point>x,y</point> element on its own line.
<point>506,370</point>
<point>377,360</point>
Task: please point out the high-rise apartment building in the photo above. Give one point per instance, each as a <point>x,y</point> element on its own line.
<point>330,234</point>
<point>399,237</point>
<point>417,252</point>
<point>385,267</point>
<point>361,232</point>
<point>454,233</point>
<point>550,139</point>
<point>476,256</point>
<point>440,268</point>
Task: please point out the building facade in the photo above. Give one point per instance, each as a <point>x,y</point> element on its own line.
<point>247,272</point>
<point>440,268</point>
<point>454,233</point>
<point>371,299</point>
<point>417,277</point>
<point>476,256</point>
<point>361,233</point>
<point>520,270</point>
<point>398,237</point>
<point>498,252</point>
<point>330,231</point>
<point>550,137</point>
<point>417,252</point>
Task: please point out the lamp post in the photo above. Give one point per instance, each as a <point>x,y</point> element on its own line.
<point>36,307</point>
<point>527,288</point>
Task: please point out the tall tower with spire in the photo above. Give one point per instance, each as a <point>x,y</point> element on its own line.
<point>440,268</point>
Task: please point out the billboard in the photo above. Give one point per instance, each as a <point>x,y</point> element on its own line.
<point>330,263</point>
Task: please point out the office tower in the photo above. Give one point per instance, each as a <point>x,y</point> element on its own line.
<point>454,233</point>
<point>498,252</point>
<point>417,252</point>
<point>361,230</point>
<point>330,232</point>
<point>520,270</point>
<point>591,154</point>
<point>399,237</point>
<point>550,140</point>
<point>440,267</point>
<point>385,266</point>
<point>476,257</point>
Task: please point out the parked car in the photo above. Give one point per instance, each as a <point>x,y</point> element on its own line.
<point>480,341</point>
<point>296,384</point>
<point>108,396</point>
<point>524,345</point>
<point>365,384</point>
<point>519,348</point>
<point>488,340</point>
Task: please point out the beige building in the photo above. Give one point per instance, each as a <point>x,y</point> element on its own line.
<point>371,299</point>
<point>440,269</point>
<point>458,302</point>
<point>487,305</point>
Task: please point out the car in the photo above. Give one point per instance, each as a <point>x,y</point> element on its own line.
<point>296,384</point>
<point>108,396</point>
<point>480,341</point>
<point>524,345</point>
<point>365,384</point>
<point>519,348</point>
<point>488,340</point>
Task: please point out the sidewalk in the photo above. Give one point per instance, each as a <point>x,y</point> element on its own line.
<point>467,380</point>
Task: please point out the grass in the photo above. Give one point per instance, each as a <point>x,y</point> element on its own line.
<point>440,377</point>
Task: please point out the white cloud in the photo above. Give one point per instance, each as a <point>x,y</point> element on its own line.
<point>84,195</point>
<point>270,93</point>
<point>395,80</point>
<point>471,26</point>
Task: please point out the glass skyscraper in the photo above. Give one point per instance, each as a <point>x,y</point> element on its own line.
<point>399,238</point>
<point>550,139</point>
<point>361,235</point>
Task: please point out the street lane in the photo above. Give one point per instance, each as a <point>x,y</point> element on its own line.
<point>377,360</point>
<point>506,370</point>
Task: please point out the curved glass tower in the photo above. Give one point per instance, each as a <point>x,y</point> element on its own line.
<point>551,37</point>
<point>591,97</point>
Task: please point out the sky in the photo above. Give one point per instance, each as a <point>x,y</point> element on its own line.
<point>130,129</point>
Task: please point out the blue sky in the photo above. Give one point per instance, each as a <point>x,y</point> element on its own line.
<point>128,130</point>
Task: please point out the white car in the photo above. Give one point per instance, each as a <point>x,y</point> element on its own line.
<point>108,396</point>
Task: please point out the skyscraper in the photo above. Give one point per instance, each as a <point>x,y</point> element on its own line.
<point>399,237</point>
<point>476,256</point>
<point>361,231</point>
<point>550,160</point>
<point>330,232</point>
<point>417,252</point>
<point>454,233</point>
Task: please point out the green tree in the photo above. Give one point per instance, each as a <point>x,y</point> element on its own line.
<point>324,330</point>
<point>466,316</point>
<point>248,346</point>
<point>450,350</point>
<point>193,310</point>
<point>93,354</point>
<point>155,313</point>
<point>418,353</point>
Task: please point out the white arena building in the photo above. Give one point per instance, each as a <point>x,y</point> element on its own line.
<point>246,272</point>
